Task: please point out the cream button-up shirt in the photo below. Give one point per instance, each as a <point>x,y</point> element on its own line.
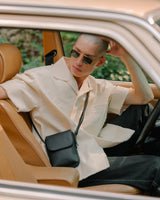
<point>51,94</point>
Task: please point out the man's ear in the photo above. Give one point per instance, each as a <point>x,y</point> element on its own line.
<point>101,62</point>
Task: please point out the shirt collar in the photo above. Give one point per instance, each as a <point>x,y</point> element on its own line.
<point>61,71</point>
<point>86,87</point>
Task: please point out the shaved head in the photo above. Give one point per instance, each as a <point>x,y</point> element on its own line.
<point>103,45</point>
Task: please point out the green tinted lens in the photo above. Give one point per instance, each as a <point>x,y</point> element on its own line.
<point>87,60</point>
<point>74,53</point>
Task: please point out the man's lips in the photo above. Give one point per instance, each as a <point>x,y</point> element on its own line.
<point>76,69</point>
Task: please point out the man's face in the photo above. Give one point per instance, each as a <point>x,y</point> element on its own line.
<point>84,52</point>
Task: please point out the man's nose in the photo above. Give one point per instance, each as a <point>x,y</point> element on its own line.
<point>79,60</point>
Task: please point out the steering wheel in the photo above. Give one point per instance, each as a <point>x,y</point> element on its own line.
<point>149,123</point>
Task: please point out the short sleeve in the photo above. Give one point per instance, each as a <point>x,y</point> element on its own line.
<point>117,98</point>
<point>21,91</point>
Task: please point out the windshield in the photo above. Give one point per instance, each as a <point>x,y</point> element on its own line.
<point>158,22</point>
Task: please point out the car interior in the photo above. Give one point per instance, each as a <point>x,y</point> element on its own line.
<point>22,157</point>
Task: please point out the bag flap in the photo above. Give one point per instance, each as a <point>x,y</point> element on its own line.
<point>60,140</point>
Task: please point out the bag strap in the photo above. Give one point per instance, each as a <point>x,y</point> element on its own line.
<point>82,115</point>
<point>79,123</point>
<point>36,129</point>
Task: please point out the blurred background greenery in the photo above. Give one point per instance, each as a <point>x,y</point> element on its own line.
<point>30,43</point>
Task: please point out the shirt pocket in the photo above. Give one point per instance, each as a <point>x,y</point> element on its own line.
<point>95,118</point>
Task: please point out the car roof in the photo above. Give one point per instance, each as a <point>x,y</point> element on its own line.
<point>134,7</point>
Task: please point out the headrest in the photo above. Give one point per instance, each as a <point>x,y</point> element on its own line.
<point>10,61</point>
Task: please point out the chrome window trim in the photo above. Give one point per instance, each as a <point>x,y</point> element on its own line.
<point>12,189</point>
<point>78,13</point>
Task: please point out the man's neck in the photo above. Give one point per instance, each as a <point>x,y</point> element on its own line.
<point>79,81</point>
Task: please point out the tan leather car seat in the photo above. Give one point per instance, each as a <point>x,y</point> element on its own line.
<point>13,168</point>
<point>19,132</point>
<point>10,61</point>
<point>14,125</point>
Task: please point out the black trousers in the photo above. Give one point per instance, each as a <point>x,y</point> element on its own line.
<point>141,171</point>
<point>134,118</point>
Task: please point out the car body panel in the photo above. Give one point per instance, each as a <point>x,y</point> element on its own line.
<point>136,7</point>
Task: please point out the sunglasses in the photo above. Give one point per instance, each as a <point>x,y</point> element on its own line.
<point>76,54</point>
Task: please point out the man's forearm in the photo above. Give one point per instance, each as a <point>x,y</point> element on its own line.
<point>142,92</point>
<point>3,93</point>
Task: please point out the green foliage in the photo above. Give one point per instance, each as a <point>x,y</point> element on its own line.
<point>30,44</point>
<point>3,39</point>
<point>112,69</point>
<point>68,41</point>
<point>32,63</point>
<point>32,54</point>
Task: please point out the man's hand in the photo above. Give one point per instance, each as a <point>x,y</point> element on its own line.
<point>3,93</point>
<point>116,50</point>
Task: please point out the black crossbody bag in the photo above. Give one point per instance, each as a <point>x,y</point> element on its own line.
<point>62,147</point>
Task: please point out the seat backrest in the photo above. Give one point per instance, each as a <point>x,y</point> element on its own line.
<point>12,167</point>
<point>21,136</point>
<point>12,122</point>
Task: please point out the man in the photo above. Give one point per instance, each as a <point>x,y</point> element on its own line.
<point>55,96</point>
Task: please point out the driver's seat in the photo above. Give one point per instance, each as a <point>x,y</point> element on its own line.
<point>18,130</point>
